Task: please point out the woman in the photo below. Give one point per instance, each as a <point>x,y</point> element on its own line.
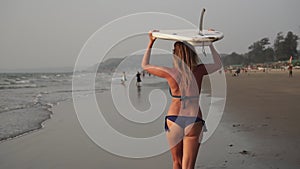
<point>183,122</point>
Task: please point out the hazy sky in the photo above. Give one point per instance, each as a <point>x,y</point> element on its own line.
<point>51,33</point>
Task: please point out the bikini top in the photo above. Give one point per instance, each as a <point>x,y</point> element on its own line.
<point>183,98</point>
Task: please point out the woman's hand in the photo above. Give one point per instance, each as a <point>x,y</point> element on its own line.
<point>151,37</point>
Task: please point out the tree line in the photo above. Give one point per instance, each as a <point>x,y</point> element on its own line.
<point>262,51</point>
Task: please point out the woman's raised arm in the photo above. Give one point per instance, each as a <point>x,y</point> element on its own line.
<point>210,68</point>
<point>160,71</point>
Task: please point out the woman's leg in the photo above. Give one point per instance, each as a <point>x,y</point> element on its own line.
<point>174,136</point>
<point>191,145</point>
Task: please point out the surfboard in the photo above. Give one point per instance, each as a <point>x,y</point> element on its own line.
<point>193,36</point>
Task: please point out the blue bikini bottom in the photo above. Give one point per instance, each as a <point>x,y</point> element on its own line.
<point>182,121</point>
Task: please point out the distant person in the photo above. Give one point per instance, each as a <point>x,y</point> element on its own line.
<point>138,79</point>
<point>124,78</point>
<point>183,124</point>
<point>237,72</point>
<point>290,70</point>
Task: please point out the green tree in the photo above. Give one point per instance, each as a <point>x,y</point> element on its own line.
<point>291,45</point>
<point>279,46</point>
<point>233,59</point>
<point>261,51</point>
<point>258,51</point>
<point>269,54</point>
<point>284,47</point>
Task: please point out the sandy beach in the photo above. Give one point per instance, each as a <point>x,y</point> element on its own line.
<point>259,130</point>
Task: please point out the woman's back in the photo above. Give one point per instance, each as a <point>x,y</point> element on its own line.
<point>186,103</point>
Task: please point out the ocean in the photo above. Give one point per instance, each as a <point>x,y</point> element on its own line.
<point>26,99</point>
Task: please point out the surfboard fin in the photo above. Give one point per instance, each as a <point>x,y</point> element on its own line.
<point>201,22</point>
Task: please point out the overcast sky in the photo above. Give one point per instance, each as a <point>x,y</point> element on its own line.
<point>50,33</point>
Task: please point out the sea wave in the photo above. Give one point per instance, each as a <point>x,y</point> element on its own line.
<point>18,122</point>
<point>15,107</point>
<point>16,86</point>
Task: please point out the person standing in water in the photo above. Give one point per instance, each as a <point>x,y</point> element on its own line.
<point>124,78</point>
<point>183,123</point>
<point>138,79</point>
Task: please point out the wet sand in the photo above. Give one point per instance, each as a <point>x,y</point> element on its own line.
<point>260,125</point>
<point>259,129</point>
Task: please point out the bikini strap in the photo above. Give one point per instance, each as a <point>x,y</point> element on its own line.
<point>179,97</point>
<point>183,98</point>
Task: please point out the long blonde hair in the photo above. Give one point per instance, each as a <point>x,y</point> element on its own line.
<point>185,58</point>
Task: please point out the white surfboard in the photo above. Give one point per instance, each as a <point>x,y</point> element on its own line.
<point>195,37</point>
